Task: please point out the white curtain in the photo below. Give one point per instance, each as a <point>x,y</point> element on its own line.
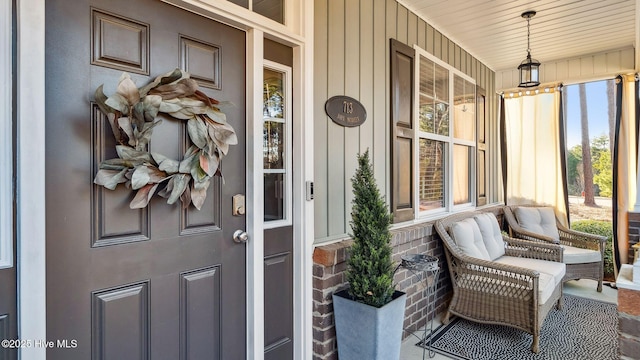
<point>534,172</point>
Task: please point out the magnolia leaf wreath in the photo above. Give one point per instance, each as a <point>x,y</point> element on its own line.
<point>132,114</point>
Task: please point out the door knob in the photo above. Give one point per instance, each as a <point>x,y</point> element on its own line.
<point>240,236</point>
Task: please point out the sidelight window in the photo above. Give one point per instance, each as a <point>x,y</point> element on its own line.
<point>277,159</point>
<point>6,141</point>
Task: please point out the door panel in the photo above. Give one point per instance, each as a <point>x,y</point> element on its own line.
<point>120,323</point>
<point>278,294</point>
<point>8,324</point>
<point>155,283</point>
<point>200,314</point>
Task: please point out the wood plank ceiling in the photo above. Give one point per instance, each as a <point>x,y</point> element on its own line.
<point>495,33</point>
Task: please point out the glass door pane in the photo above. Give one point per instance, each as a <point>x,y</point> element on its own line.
<point>276,150</point>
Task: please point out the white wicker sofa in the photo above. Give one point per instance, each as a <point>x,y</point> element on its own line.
<point>497,279</point>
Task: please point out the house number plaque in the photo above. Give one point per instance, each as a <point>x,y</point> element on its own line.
<point>345,111</point>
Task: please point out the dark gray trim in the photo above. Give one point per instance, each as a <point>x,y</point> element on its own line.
<point>563,154</point>
<point>616,247</point>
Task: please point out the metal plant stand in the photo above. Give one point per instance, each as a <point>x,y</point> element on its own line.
<point>426,268</point>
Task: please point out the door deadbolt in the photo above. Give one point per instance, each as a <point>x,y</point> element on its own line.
<point>238,205</point>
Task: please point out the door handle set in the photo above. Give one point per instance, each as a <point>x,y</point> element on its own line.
<point>240,236</point>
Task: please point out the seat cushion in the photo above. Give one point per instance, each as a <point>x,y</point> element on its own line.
<point>467,236</point>
<point>491,235</point>
<point>546,285</point>
<point>551,273</point>
<point>574,255</point>
<point>556,269</point>
<point>539,220</point>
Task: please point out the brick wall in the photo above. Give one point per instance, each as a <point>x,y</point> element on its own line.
<point>328,277</point>
<point>628,300</point>
<point>629,323</point>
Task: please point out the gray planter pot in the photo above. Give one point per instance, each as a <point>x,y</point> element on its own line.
<point>367,332</point>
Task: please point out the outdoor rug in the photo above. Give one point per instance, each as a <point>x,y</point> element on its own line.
<point>584,329</point>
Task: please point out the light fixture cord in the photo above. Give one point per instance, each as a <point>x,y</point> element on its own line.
<point>528,33</point>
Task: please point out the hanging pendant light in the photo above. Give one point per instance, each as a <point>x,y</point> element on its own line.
<point>529,68</point>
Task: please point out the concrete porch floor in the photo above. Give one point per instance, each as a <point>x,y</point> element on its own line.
<point>583,288</point>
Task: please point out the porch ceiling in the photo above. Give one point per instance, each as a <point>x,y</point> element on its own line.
<point>495,33</point>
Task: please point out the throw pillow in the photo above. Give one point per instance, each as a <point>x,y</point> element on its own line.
<point>491,235</point>
<point>539,220</point>
<point>467,236</point>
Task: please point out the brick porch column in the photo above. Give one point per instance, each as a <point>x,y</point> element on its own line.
<point>628,314</point>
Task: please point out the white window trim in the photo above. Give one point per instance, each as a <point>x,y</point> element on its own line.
<point>254,215</point>
<point>30,190</point>
<point>449,140</point>
<point>288,150</point>
<point>6,138</point>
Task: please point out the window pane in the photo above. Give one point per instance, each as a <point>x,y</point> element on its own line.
<point>273,145</point>
<point>461,174</point>
<point>434,117</point>
<point>432,165</point>
<point>273,102</point>
<point>464,104</point>
<point>427,114</point>
<point>427,77</point>
<point>434,98</point>
<point>441,83</point>
<point>272,9</point>
<point>243,3</point>
<point>274,197</point>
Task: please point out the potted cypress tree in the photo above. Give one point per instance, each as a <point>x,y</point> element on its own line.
<point>370,313</point>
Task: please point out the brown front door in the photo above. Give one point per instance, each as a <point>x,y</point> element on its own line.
<point>160,282</point>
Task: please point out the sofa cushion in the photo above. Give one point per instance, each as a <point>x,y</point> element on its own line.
<point>491,235</point>
<point>539,220</point>
<point>467,236</point>
<point>556,269</point>
<point>551,273</point>
<point>546,285</point>
<point>574,255</point>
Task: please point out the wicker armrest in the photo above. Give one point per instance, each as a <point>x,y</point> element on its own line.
<point>484,276</point>
<point>533,250</point>
<point>581,239</point>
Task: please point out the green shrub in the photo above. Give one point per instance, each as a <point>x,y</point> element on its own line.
<point>603,228</point>
<point>370,267</point>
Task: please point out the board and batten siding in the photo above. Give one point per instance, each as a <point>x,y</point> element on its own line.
<point>351,48</point>
<point>581,69</point>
